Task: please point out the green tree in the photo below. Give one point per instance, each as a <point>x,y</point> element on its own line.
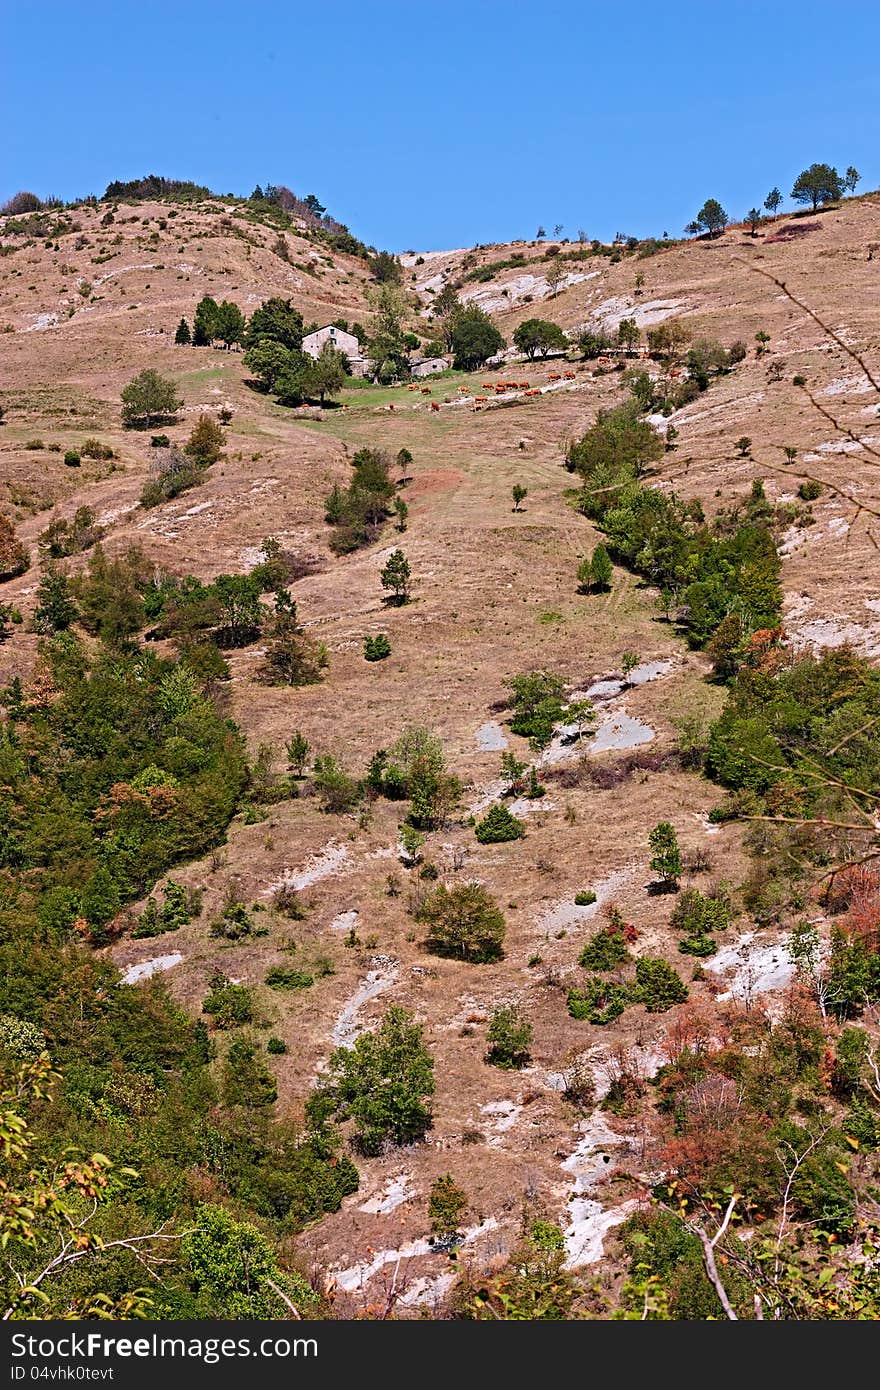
<point>519,494</point>
<point>753,217</point>
<point>772,201</point>
<point>234,1272</point>
<point>712,217</point>
<point>148,398</point>
<point>404,462</point>
<point>818,184</point>
<point>277,321</point>
<point>628,334</point>
<point>229,324</point>
<point>597,572</point>
<point>293,657</point>
<point>241,613</point>
<point>402,513</point>
<point>499,825</point>
<point>474,339</point>
<point>383,1083</point>
<point>183,335</point>
<point>205,443</point>
<point>110,601</point>
<point>387,347</point>
<point>851,179</point>
<point>463,922</point>
<point>55,610</point>
<point>205,322</point>
<point>325,375</point>
<point>509,1037</point>
<point>665,852</point>
<point>385,268</point>
<point>446,309</point>
<point>297,748</point>
<point>539,703</point>
<point>619,438</point>
<point>270,361</point>
<point>534,336</point>
<point>395,575</point>
<point>658,986</point>
<point>447,1205</point>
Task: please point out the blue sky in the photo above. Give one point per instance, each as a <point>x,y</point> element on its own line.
<point>431,126</point>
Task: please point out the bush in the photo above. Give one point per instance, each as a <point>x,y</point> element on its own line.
<point>810,490</point>
<point>94,449</point>
<point>657,985</point>
<point>464,923</point>
<point>696,916</point>
<point>338,792</point>
<point>230,1005</point>
<point>377,648</point>
<point>447,1205</point>
<point>509,1036</point>
<point>604,951</point>
<point>277,1046</point>
<point>584,898</point>
<point>72,458</point>
<point>280,977</point>
<point>598,1001</point>
<point>235,923</point>
<point>498,825</point>
<point>538,700</point>
<point>205,443</point>
<point>181,905</point>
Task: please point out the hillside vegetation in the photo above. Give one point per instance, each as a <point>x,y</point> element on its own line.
<point>439,848</point>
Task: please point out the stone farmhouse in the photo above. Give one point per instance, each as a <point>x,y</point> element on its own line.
<point>344,342</point>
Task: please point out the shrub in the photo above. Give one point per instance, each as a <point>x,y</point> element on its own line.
<point>230,1005</point>
<point>447,1205</point>
<point>599,1001</point>
<point>658,986</point>
<point>604,951</point>
<point>338,792</point>
<point>205,443</point>
<point>498,825</point>
<point>538,700</point>
<point>509,1036</point>
<point>463,922</point>
<point>584,898</point>
<point>696,916</point>
<point>281,977</point>
<point>72,458</point>
<point>377,648</point>
<point>181,905</point>
<point>277,1046</point>
<point>14,558</point>
<point>235,923</point>
<point>94,449</point>
<point>810,490</point>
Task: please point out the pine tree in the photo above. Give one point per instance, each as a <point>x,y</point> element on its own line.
<point>183,336</point>
<point>396,576</point>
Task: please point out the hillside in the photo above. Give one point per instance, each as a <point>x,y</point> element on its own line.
<point>494,595</point>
